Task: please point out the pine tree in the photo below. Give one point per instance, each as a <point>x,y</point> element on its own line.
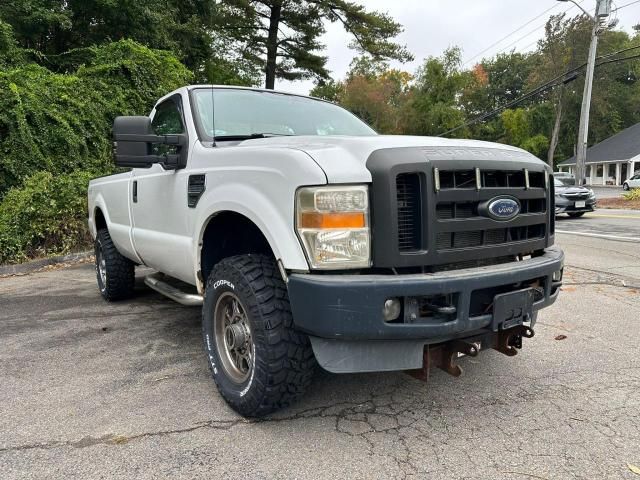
<point>282,37</point>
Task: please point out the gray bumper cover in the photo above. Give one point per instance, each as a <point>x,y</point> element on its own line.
<point>343,313</point>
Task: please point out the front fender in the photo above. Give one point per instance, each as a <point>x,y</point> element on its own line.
<point>260,184</point>
<point>257,207</point>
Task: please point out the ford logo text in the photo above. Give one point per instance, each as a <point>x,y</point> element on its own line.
<point>503,208</point>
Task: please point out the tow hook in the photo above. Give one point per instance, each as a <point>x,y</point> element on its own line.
<point>510,341</point>
<point>444,356</point>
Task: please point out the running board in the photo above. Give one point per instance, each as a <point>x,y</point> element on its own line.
<point>155,282</point>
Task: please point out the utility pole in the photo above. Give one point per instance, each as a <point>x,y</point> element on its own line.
<point>603,10</point>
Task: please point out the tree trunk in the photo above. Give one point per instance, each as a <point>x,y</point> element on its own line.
<point>272,45</point>
<point>556,129</point>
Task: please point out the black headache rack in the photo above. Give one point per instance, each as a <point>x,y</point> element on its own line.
<point>429,207</point>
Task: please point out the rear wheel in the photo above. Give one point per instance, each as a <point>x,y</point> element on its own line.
<point>260,363</point>
<point>576,214</point>
<point>115,273</point>
<point>625,186</point>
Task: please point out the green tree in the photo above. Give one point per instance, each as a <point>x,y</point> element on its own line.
<point>282,37</point>
<point>563,48</point>
<point>519,131</point>
<point>53,27</point>
<point>434,107</point>
<point>329,90</point>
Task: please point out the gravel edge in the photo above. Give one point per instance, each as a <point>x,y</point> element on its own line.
<point>36,265</point>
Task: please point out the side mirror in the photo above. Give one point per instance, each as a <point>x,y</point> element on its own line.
<point>133,141</point>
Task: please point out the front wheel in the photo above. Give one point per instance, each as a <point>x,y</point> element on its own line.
<point>576,214</point>
<point>115,273</point>
<point>260,363</point>
<point>625,187</point>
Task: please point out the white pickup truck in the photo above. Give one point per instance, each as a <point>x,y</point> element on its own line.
<point>309,239</point>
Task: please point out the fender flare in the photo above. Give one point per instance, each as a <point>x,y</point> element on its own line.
<point>279,234</point>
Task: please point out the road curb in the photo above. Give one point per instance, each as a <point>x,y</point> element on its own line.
<point>35,265</point>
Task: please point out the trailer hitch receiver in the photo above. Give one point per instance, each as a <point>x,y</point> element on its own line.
<point>444,356</point>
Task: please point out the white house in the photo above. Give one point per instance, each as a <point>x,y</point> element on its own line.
<point>611,161</point>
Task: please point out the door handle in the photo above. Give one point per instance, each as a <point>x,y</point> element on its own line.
<point>135,191</point>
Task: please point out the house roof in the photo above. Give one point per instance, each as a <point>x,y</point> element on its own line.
<point>623,145</point>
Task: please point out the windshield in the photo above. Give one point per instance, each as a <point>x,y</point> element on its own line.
<point>564,181</point>
<point>239,114</point>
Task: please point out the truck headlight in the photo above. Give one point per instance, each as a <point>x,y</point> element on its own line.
<point>333,224</point>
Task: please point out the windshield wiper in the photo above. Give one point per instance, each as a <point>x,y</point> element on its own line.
<point>251,136</point>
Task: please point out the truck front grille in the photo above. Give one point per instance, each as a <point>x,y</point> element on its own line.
<point>447,221</point>
<point>429,206</point>
<point>459,210</point>
<point>495,236</point>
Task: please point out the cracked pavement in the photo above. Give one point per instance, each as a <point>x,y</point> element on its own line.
<point>96,390</point>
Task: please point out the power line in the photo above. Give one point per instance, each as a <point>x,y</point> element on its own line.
<point>512,33</point>
<point>521,38</point>
<point>616,60</point>
<point>531,32</point>
<point>517,30</point>
<point>619,51</point>
<point>626,5</point>
<point>565,77</point>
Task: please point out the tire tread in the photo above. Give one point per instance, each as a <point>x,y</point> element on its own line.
<point>288,366</point>
<point>120,270</point>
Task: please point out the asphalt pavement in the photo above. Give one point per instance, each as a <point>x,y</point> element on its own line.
<point>90,389</point>
<point>620,225</point>
<point>607,192</point>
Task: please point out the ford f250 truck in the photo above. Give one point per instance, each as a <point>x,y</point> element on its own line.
<point>309,239</point>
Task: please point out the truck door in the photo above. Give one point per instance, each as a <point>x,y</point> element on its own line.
<point>159,204</point>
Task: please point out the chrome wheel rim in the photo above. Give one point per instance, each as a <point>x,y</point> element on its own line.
<point>234,341</point>
<point>101,266</point>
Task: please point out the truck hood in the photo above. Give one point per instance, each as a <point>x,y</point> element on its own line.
<point>344,158</point>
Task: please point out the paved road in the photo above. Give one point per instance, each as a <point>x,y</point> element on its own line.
<point>607,192</point>
<point>96,390</point>
<point>623,225</point>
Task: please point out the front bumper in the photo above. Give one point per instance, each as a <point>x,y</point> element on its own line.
<point>566,205</point>
<point>350,307</point>
<point>343,314</point>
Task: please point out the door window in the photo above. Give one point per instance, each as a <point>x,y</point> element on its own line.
<point>167,121</point>
<point>168,118</point>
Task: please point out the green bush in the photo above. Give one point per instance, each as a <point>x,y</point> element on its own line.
<point>55,128</point>
<point>10,54</point>
<point>61,122</point>
<point>46,216</point>
<point>633,194</point>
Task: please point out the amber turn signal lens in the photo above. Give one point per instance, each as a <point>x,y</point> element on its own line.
<point>332,220</point>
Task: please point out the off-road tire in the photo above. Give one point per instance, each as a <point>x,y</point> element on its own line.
<point>120,271</point>
<point>283,361</point>
<point>576,214</point>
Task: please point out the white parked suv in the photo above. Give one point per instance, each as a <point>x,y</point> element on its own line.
<point>309,239</point>
<point>632,182</point>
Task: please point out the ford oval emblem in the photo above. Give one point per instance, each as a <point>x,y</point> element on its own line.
<point>503,208</point>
